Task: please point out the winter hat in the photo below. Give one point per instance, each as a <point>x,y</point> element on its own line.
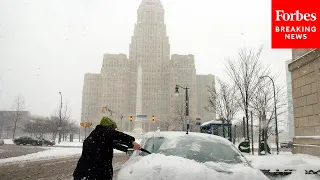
<point>105,121</point>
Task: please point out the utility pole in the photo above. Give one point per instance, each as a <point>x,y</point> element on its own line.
<point>252,134</point>
<point>60,121</point>
<point>275,111</point>
<point>259,149</point>
<point>265,134</point>
<point>235,134</point>
<point>187,103</point>
<point>248,137</point>
<point>244,127</point>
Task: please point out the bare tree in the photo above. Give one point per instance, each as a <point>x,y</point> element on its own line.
<point>224,101</point>
<point>245,71</point>
<point>66,125</point>
<point>15,116</point>
<point>263,106</point>
<point>53,125</point>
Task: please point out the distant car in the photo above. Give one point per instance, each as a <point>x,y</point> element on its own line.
<point>24,140</point>
<point>1,142</point>
<point>47,142</point>
<point>177,155</point>
<point>288,144</point>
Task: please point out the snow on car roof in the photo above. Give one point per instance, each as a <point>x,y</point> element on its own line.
<point>175,134</point>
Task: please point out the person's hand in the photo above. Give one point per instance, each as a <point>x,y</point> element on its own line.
<point>136,146</point>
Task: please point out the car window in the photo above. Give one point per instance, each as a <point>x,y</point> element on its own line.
<point>194,148</point>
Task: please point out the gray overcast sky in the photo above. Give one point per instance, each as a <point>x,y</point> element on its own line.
<point>48,46</point>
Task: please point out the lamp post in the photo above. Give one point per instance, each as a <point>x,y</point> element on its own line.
<point>275,111</point>
<point>187,102</point>
<point>60,121</point>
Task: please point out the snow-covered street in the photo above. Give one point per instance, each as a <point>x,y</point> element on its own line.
<point>64,149</point>
<point>66,154</point>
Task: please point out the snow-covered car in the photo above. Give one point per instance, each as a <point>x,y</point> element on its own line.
<point>47,142</point>
<point>24,140</point>
<point>193,156</point>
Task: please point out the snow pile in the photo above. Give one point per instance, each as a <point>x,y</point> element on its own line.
<point>300,175</point>
<point>8,141</point>
<point>69,144</point>
<point>158,167</point>
<point>77,143</point>
<point>51,153</point>
<point>286,161</point>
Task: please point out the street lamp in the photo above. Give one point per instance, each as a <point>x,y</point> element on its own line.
<point>176,92</point>
<point>275,110</point>
<point>60,121</point>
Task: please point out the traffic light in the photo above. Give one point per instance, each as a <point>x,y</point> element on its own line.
<point>130,118</point>
<point>152,117</point>
<point>82,124</point>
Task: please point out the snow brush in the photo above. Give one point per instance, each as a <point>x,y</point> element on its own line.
<point>144,150</point>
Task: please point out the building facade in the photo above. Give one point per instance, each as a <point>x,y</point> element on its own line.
<point>115,86</point>
<point>305,70</point>
<point>290,124</point>
<point>203,82</point>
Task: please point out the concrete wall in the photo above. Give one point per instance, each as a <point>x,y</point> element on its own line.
<point>305,74</point>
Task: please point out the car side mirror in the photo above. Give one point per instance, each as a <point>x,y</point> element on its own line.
<point>130,152</point>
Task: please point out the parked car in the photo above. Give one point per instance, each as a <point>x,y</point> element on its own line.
<point>177,155</point>
<point>47,142</point>
<point>288,144</point>
<point>24,140</point>
<point>1,142</point>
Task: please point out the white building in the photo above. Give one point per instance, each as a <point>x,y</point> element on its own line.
<point>116,85</point>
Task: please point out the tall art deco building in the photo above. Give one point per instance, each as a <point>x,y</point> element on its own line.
<point>116,85</point>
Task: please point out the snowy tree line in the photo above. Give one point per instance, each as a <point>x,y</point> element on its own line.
<point>246,92</point>
<point>19,119</point>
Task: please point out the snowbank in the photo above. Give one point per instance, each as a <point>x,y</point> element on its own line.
<point>300,175</point>
<point>77,143</point>
<point>69,144</point>
<point>157,166</point>
<point>8,141</point>
<point>285,161</point>
<point>50,153</point>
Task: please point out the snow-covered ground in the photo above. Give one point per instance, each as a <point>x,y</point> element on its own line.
<point>285,160</point>
<point>8,141</point>
<point>49,153</point>
<point>69,149</point>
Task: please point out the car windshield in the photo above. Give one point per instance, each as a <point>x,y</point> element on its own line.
<point>196,149</point>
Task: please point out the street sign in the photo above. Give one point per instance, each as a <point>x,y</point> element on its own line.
<point>198,123</point>
<point>142,116</point>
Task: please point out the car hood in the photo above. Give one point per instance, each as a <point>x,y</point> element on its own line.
<point>158,166</point>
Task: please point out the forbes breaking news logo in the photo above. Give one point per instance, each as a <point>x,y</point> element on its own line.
<point>295,32</point>
<point>294,25</point>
